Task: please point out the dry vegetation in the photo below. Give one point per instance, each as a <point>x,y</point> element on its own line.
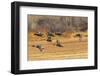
<point>72,47</point>
<point>73,39</point>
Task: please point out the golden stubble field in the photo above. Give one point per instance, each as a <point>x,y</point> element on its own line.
<point>72,47</point>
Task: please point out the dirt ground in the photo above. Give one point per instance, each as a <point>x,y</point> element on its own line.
<point>72,48</point>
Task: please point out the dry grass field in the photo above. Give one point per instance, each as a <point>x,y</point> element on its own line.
<point>72,47</point>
